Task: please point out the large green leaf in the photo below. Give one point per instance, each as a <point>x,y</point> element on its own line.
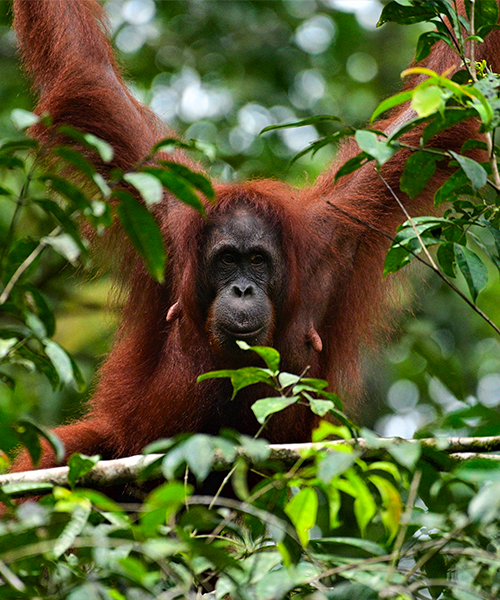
<point>473,269</point>
<point>418,170</point>
<point>143,231</point>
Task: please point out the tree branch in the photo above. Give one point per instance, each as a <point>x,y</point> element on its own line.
<point>126,470</point>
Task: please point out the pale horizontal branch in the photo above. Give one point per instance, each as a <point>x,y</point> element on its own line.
<point>125,470</point>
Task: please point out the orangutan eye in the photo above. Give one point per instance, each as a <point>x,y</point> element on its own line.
<point>257,260</point>
<point>228,259</point>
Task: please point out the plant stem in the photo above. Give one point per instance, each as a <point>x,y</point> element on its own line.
<point>25,264</point>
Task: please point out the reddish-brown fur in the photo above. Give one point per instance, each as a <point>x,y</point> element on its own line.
<point>147,387</point>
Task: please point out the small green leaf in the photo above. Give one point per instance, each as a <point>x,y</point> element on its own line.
<point>473,269</point>
<point>446,258</point>
<point>64,245</point>
<point>269,355</point>
<point>240,378</point>
<point>405,453</point>
<point>475,172</point>
<point>321,407</point>
<point>76,159</point>
<point>353,164</point>
<point>427,100</point>
<point>486,16</point>
<point>197,180</point>
<point>334,464</point>
<point>287,379</point>
<point>302,511</point>
<point>79,518</point>
<point>6,346</point>
<point>79,465</point>
<point>104,149</point>
<point>179,187</point>
<point>199,455</point>
<point>69,227</point>
<point>60,359</point>
<point>406,15</point>
<point>268,406</point>
<point>426,41</point>
<point>485,505</point>
<point>391,102</point>
<point>418,170</point>
<point>308,121</point>
<point>148,186</point>
<point>161,505</point>
<point>380,150</point>
<point>391,500</point>
<point>69,191</point>
<point>23,119</point>
<point>144,233</point>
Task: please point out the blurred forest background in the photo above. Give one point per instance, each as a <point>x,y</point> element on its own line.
<point>221,71</point>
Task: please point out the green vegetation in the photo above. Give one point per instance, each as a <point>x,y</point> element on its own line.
<point>365,521</point>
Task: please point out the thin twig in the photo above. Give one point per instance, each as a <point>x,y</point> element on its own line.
<point>25,264</point>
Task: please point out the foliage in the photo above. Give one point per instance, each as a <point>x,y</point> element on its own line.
<point>412,523</point>
<point>65,204</point>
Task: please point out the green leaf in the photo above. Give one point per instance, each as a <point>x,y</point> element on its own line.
<point>406,15</point>
<point>391,102</point>
<point>456,183</point>
<point>427,100</point>
<point>61,361</point>
<point>179,186</point>
<point>11,162</point>
<point>486,16</point>
<point>65,245</point>
<point>396,258</point>
<point>148,186</point>
<point>446,258</point>
<point>199,455</point>
<point>23,119</point>
<point>197,180</point>
<point>321,407</point>
<point>391,500</point>
<point>268,406</point>
<point>256,449</point>
<point>67,224</point>
<point>144,233</point>
<point>380,150</point>
<point>89,140</point>
<point>417,172</point>
<point>472,268</point>
<point>16,145</point>
<point>365,506</point>
<point>269,355</point>
<point>485,505</point>
<point>27,434</point>
<point>6,346</point>
<point>308,121</point>
<point>405,453</point>
<point>104,149</point>
<point>426,41</point>
<point>79,465</point>
<point>353,164</point>
<point>334,464</point>
<point>76,159</point>
<point>287,379</point>
<point>161,505</point>
<point>69,191</point>
<point>52,438</point>
<point>240,378</point>
<point>475,172</point>
<point>73,529</point>
<point>302,511</point>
